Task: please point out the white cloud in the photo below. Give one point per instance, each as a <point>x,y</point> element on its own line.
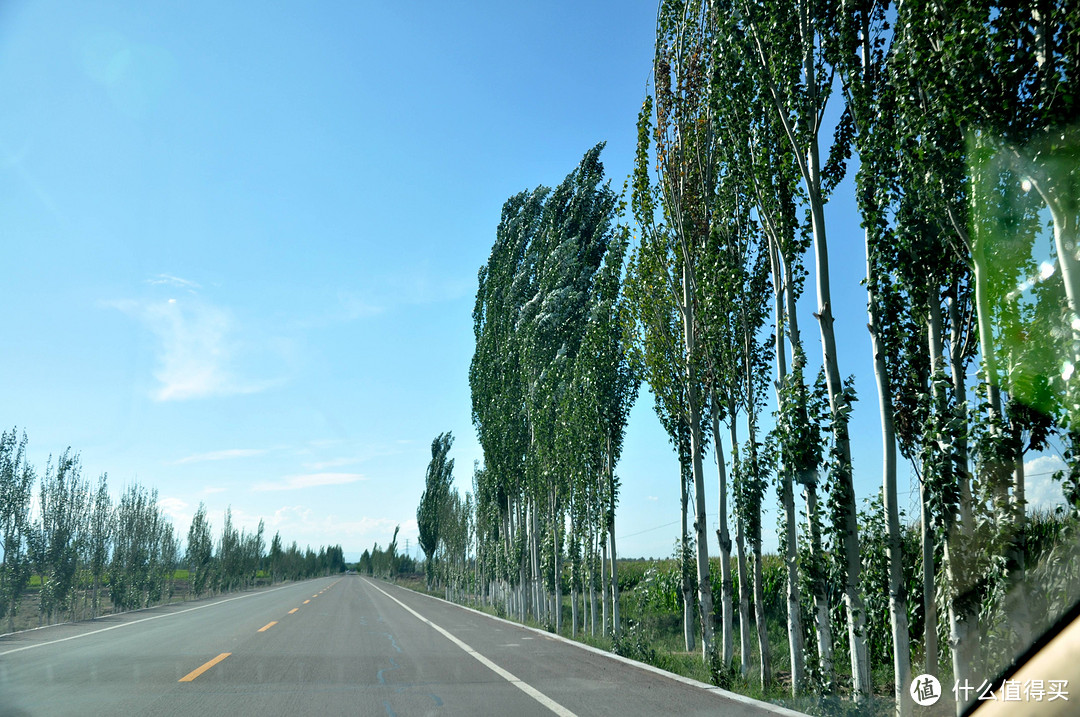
<point>309,480</point>
<point>332,463</point>
<point>174,281</point>
<point>353,306</point>
<point>423,286</point>
<point>325,442</point>
<point>653,498</point>
<point>193,351</point>
<point>221,455</point>
<point>1040,489</point>
<point>307,526</point>
<point>196,347</point>
<point>357,454</point>
<point>348,307</point>
<point>303,522</point>
<point>177,509</point>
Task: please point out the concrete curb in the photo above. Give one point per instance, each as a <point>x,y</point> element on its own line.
<point>733,696</point>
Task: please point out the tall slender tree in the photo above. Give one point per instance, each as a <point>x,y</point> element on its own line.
<point>434,502</point>
<point>16,487</point>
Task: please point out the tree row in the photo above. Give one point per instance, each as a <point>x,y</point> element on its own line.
<point>963,117</point>
<point>79,546</point>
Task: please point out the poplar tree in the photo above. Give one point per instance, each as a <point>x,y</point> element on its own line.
<point>199,558</point>
<point>16,487</point>
<point>100,540</point>
<point>686,158</point>
<point>859,48</point>
<point>786,42</point>
<point>434,502</point>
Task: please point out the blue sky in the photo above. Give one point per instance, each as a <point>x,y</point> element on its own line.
<point>241,243</point>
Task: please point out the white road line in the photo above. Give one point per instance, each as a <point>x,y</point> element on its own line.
<point>725,694</point>
<point>516,682</point>
<point>136,622</point>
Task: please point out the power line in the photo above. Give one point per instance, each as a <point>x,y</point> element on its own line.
<point>649,530</point>
<point>658,527</point>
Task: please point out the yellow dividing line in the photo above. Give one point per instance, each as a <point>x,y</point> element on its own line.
<point>293,610</point>
<point>199,670</point>
<point>306,602</point>
<point>266,627</point>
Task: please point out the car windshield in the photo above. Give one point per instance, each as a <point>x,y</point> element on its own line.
<point>714,353</point>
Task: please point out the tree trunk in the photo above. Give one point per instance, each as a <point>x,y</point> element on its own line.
<point>605,593</point>
<point>796,635</point>
<point>609,469</point>
<point>856,619</point>
<point>958,581</point>
<point>592,598</point>
<point>897,586</point>
<point>753,466</point>
<point>591,572</point>
<point>760,619</point>
<point>724,539</point>
<point>701,534</point>
<point>534,554</point>
<point>787,495</point>
<point>821,598</point>
<point>987,349</point>
<point>740,553</point>
<point>523,591</point>
<point>1064,215</point>
<point>556,555</point>
<point>687,588</point>
<point>615,627</point>
<point>809,162</point>
<point>744,600</point>
<point>959,388</point>
<point>1018,601</point>
<point>573,610</point>
<point>930,635</point>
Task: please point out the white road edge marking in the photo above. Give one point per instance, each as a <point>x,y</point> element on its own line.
<point>726,694</point>
<point>136,622</point>
<point>516,682</point>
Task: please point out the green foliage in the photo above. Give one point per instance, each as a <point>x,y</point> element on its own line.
<point>552,386</point>
<point>16,485</point>
<point>635,644</point>
<point>963,118</point>
<point>76,544</point>
<point>874,578</point>
<point>659,590</point>
<point>200,548</point>
<point>434,509</point>
<point>721,675</point>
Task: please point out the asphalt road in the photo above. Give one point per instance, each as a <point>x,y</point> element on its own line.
<point>334,646</point>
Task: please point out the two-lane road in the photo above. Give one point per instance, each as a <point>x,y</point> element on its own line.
<point>333,646</point>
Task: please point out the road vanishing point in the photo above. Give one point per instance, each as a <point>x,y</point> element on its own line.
<point>333,646</point>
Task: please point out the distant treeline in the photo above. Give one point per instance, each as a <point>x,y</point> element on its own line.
<point>77,544</point>
<point>386,563</point>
